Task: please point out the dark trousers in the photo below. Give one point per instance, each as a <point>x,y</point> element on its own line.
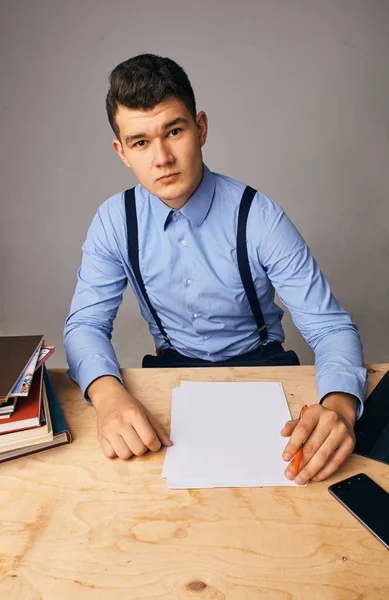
<point>271,355</point>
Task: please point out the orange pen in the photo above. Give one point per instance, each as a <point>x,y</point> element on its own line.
<point>297,456</point>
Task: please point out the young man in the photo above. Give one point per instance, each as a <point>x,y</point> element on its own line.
<point>189,281</point>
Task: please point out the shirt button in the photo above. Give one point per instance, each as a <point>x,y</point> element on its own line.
<point>189,281</point>
<point>183,242</point>
<point>196,315</point>
<point>206,337</point>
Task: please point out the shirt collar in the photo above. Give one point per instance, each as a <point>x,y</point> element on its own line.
<point>196,208</point>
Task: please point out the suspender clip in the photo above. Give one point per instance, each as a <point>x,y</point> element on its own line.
<point>263,342</point>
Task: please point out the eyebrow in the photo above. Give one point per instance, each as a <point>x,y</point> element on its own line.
<point>137,136</point>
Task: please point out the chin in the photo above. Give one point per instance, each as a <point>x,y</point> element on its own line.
<point>172,191</point>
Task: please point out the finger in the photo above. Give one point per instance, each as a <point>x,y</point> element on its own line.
<point>106,447</point>
<point>338,433</point>
<point>145,432</point>
<point>133,441</point>
<point>337,459</point>
<point>312,444</point>
<point>122,449</point>
<point>320,458</point>
<point>162,435</point>
<point>301,433</point>
<point>289,427</point>
<point>289,471</point>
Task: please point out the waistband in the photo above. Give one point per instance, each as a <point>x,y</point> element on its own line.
<point>269,349</point>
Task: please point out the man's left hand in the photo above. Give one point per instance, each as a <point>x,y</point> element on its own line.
<point>326,432</point>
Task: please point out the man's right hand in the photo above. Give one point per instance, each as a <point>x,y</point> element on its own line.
<point>124,426</point>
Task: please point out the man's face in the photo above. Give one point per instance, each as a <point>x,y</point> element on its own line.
<point>163,141</point>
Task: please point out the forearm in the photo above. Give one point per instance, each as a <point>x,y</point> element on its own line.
<point>340,367</point>
<point>90,355</point>
<point>323,322</point>
<point>101,282</point>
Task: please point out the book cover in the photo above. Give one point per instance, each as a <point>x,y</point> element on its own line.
<point>61,433</point>
<point>15,354</point>
<point>38,435</point>
<point>23,385</point>
<point>45,352</point>
<point>25,434</point>
<point>22,388</point>
<point>28,410</point>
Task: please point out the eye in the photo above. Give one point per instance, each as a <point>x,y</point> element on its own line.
<point>140,142</point>
<point>176,129</point>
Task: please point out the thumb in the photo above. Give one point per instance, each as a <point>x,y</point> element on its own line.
<point>289,427</point>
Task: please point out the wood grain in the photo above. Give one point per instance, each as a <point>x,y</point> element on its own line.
<point>75,525</point>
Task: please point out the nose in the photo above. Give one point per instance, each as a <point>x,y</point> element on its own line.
<point>162,154</point>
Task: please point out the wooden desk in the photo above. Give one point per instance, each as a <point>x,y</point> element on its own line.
<point>75,525</point>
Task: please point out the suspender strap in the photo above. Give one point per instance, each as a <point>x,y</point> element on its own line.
<point>244,265</point>
<point>133,254</point>
<point>242,256</point>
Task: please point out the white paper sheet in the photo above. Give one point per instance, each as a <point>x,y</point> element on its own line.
<point>227,434</point>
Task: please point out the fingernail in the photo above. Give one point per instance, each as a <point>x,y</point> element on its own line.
<point>289,475</point>
<point>286,456</point>
<point>298,480</point>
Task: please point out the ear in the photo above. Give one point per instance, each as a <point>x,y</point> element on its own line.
<point>202,127</point>
<point>117,146</point>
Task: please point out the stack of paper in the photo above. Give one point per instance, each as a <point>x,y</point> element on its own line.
<point>227,434</point>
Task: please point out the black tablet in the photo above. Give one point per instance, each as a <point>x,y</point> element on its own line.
<point>372,429</point>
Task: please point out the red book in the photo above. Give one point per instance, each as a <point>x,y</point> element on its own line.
<point>28,410</point>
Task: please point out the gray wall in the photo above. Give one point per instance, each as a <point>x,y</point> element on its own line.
<point>297,95</point>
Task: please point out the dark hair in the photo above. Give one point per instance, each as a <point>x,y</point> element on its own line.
<point>144,81</point>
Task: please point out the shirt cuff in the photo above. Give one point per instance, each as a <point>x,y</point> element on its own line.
<point>349,383</point>
<point>90,370</point>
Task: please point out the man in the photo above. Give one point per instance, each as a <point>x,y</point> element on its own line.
<point>189,282</point>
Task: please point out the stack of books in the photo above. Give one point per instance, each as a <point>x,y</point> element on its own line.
<point>31,418</point>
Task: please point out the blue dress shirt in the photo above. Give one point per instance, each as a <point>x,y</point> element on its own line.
<point>189,266</point>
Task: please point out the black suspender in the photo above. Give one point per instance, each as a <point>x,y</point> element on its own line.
<point>244,265</point>
<point>242,256</point>
<point>133,254</point>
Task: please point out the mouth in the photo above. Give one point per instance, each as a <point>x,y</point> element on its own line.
<point>168,177</point>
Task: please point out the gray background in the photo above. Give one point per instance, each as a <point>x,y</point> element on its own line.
<point>297,95</point>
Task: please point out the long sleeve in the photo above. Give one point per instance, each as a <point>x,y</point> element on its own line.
<point>101,283</point>
<point>323,322</point>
